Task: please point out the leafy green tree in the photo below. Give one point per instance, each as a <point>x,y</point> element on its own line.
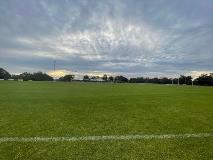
<point>39,76</point>
<point>105,78</point>
<point>4,74</point>
<point>204,80</point>
<point>86,78</point>
<point>15,77</point>
<point>111,79</point>
<point>121,79</point>
<point>26,76</point>
<point>185,80</point>
<point>67,78</point>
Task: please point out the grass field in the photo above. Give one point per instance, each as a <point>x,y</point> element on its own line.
<point>48,109</point>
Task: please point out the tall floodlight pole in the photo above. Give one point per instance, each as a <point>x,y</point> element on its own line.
<point>54,62</point>
<point>54,65</point>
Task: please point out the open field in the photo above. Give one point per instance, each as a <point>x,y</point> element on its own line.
<point>48,109</point>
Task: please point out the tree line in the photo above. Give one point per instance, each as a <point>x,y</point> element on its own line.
<point>180,80</point>
<point>204,79</point>
<point>37,76</point>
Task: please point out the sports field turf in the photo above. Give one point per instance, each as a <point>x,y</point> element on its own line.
<point>54,109</point>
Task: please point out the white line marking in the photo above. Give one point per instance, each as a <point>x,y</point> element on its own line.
<point>102,138</point>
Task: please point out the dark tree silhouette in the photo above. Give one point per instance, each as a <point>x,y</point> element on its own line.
<point>39,76</point>
<point>4,74</point>
<point>86,78</point>
<point>67,78</point>
<point>105,78</point>
<point>121,79</point>
<point>204,80</point>
<point>26,76</point>
<point>111,79</point>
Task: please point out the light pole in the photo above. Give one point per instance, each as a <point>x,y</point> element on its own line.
<point>54,63</point>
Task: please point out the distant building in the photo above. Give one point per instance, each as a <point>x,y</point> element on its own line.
<point>10,79</point>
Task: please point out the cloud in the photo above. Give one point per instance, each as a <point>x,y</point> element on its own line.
<point>196,74</point>
<point>58,73</point>
<point>124,37</point>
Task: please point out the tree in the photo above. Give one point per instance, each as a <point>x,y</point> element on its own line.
<point>39,76</point>
<point>67,78</point>
<point>15,77</point>
<point>111,79</point>
<point>189,80</point>
<point>86,78</point>
<point>94,78</point>
<point>26,76</point>
<point>204,80</point>
<point>185,80</point>
<point>121,79</point>
<point>137,80</point>
<point>182,79</point>
<point>105,78</point>
<point>4,74</point>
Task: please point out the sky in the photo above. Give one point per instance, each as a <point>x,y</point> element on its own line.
<point>117,37</point>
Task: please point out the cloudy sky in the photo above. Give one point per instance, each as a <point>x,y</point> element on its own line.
<point>129,37</point>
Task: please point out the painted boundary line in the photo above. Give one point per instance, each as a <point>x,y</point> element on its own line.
<point>104,138</point>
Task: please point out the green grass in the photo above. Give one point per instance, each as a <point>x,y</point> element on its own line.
<point>29,109</point>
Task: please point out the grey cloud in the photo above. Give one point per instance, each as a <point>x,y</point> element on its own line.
<point>124,36</point>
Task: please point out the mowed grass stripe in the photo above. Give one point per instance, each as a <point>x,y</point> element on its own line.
<point>101,138</point>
